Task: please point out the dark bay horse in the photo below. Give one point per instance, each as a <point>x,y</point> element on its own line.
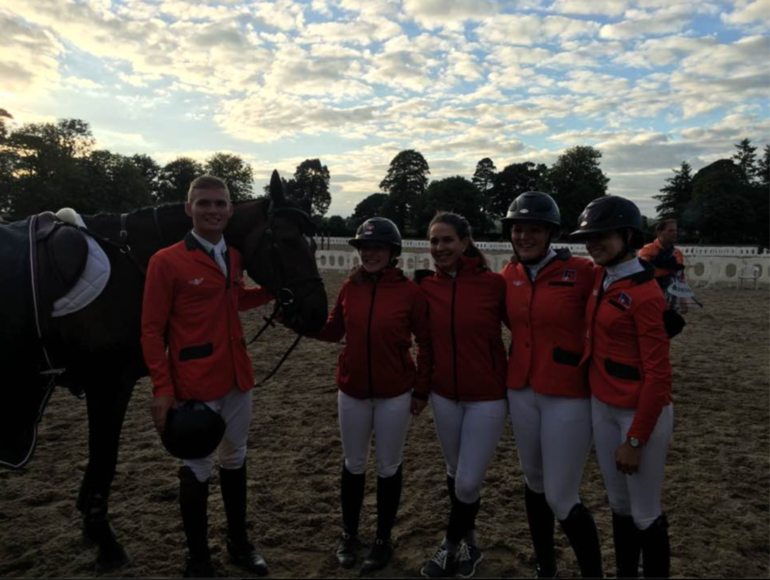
<point>99,348</point>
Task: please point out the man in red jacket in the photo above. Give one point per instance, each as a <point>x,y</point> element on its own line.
<point>193,346</point>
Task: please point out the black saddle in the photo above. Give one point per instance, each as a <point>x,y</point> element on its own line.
<point>59,256</point>
<point>41,258</point>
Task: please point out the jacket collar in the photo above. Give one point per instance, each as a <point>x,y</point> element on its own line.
<point>468,267</point>
<point>192,244</point>
<point>646,275</point>
<point>391,274</point>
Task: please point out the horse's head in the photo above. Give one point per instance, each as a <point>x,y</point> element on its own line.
<point>279,254</point>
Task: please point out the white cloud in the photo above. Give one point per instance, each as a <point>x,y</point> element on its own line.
<point>28,58</point>
<point>265,117</point>
<point>658,52</point>
<point>747,13</point>
<point>362,31</point>
<point>529,29</point>
<point>640,23</point>
<point>451,13</point>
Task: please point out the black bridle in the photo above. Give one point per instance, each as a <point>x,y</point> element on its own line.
<point>285,296</point>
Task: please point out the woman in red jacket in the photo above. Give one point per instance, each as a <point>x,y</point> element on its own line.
<point>548,395</point>
<point>378,310</point>
<point>466,307</point>
<point>627,348</point>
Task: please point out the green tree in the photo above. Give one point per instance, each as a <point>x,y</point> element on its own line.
<point>43,162</point>
<point>175,179</point>
<point>484,176</point>
<point>676,195</point>
<point>334,226</point>
<point>763,170</point>
<point>310,187</point>
<point>511,182</point>
<point>237,174</point>
<point>576,179</point>
<point>113,183</point>
<point>150,171</point>
<point>405,182</point>
<point>369,207</point>
<point>8,162</point>
<point>456,194</point>
<point>721,210</point>
<point>746,159</point>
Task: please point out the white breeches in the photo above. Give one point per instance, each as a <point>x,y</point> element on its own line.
<point>388,419</point>
<point>553,438</point>
<point>637,495</point>
<point>468,432</point>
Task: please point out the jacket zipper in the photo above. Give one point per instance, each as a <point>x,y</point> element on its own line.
<point>492,354</point>
<point>454,339</point>
<point>369,342</point>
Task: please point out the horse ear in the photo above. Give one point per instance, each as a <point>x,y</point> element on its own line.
<point>276,188</point>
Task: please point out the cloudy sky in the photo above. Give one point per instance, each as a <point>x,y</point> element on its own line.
<point>651,83</point>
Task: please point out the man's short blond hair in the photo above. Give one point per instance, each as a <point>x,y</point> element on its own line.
<point>663,224</point>
<point>206,182</point>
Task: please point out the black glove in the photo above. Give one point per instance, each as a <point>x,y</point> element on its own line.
<point>674,322</point>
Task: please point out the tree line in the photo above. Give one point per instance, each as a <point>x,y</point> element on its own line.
<point>46,166</point>
<point>411,201</point>
<point>728,201</point>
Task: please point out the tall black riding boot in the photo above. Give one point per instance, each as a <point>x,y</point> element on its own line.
<point>450,485</point>
<point>656,549</point>
<point>242,552</point>
<point>388,500</point>
<point>541,525</point>
<point>462,519</point>
<point>193,502</point>
<point>627,547</point>
<point>351,498</point>
<point>462,523</point>
<point>580,529</point>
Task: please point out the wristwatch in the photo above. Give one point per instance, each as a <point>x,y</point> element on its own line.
<point>634,442</point>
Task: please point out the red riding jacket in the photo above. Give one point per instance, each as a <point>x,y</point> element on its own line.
<point>378,316</point>
<point>465,314</point>
<point>192,307</point>
<point>652,249</point>
<point>547,320</point>
<point>628,348</point>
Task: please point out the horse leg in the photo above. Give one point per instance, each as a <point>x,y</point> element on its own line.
<point>107,403</point>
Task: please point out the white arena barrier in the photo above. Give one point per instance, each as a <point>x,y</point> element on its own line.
<point>705,265</point>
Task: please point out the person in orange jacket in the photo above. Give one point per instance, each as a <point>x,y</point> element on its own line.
<point>193,293</point>
<point>667,259</point>
<point>627,350</point>
<point>548,395</point>
<point>466,303</point>
<point>378,310</point>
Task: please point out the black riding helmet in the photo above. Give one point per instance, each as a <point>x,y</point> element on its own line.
<point>533,206</point>
<point>378,229</point>
<point>192,430</point>
<point>611,212</point>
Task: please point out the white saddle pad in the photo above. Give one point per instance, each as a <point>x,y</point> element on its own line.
<point>91,283</point>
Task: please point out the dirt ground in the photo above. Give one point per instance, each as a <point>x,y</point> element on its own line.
<point>716,493</point>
